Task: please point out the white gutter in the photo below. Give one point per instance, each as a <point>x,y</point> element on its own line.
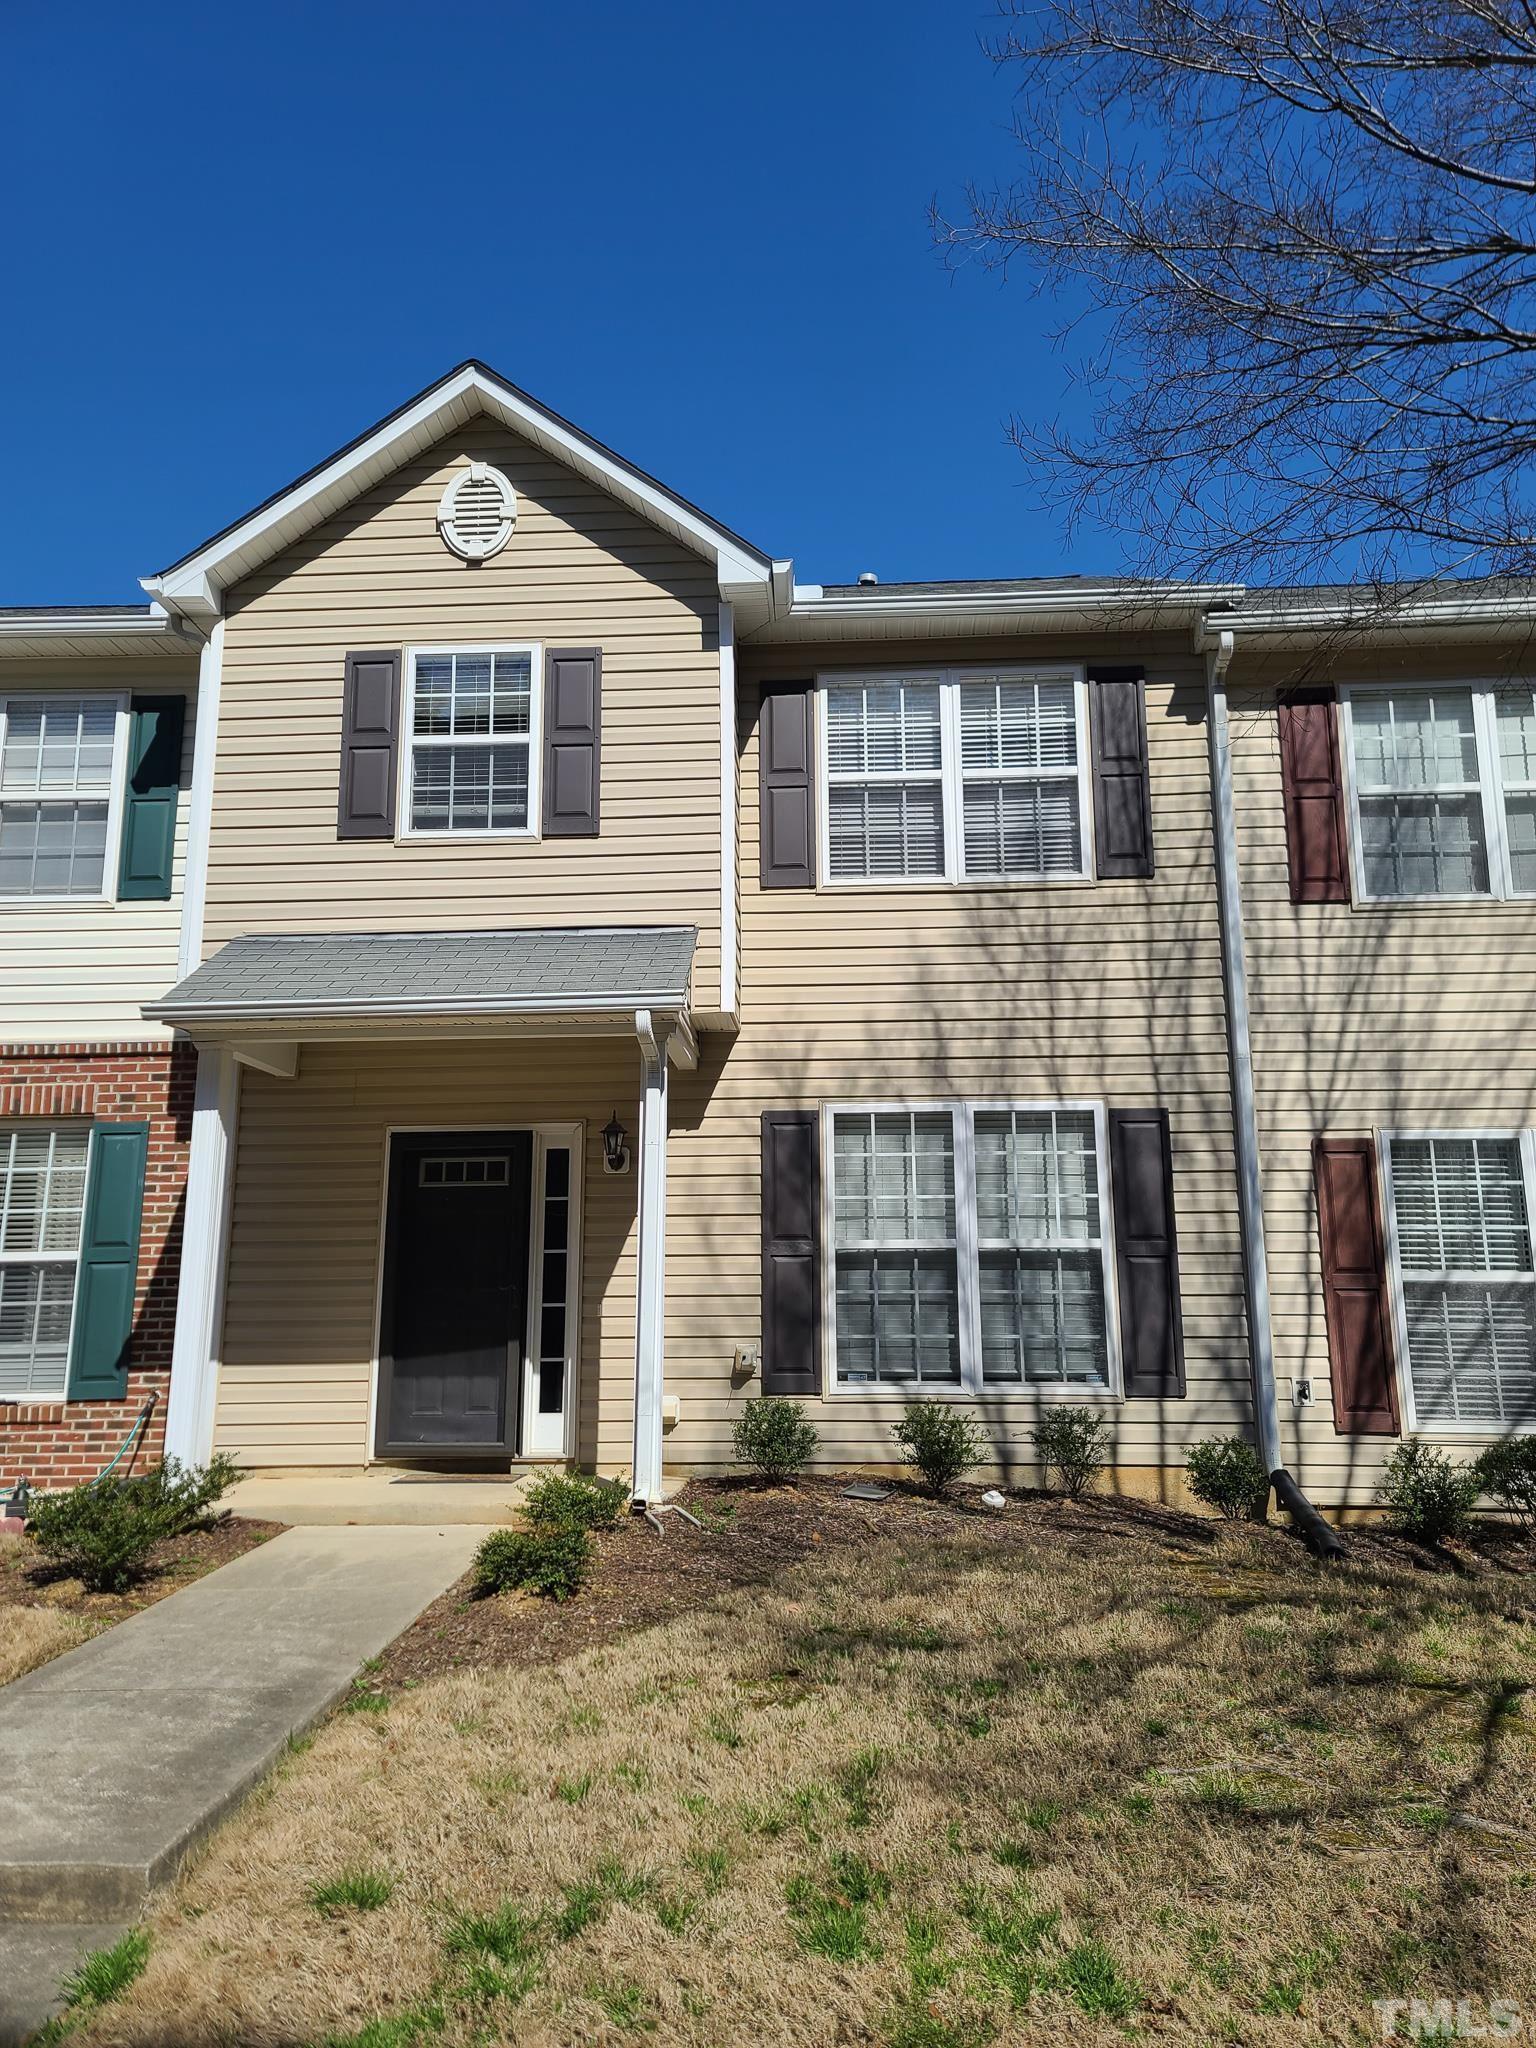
<point>622,1002</point>
<point>1218,648</point>
<point>156,624</point>
<point>811,601</point>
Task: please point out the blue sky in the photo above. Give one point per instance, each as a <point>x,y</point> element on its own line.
<point>236,236</point>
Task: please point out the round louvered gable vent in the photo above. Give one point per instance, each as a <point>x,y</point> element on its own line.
<point>478,512</point>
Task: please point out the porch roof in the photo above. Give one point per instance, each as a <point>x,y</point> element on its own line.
<point>364,976</point>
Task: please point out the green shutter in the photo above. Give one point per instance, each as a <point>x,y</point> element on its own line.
<point>109,1262</point>
<point>149,801</point>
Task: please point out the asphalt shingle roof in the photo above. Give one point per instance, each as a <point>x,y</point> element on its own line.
<point>621,966</point>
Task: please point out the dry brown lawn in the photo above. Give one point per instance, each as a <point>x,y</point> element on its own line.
<point>1104,1777</point>
<point>29,1636</point>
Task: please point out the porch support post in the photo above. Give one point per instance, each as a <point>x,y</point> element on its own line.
<point>650,1290</point>
<point>204,1247</point>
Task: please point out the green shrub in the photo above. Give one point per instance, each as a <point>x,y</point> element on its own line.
<point>100,1534</point>
<point>182,1494</point>
<point>1076,1442</point>
<point>552,1562</point>
<point>939,1442</point>
<point>1226,1474</point>
<point>1507,1470</point>
<point>574,1500</point>
<point>774,1438</point>
<point>1429,1497</point>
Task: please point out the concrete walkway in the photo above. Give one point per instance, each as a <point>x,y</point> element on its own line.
<point>118,1757</point>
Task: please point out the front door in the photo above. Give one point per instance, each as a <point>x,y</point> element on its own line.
<point>455,1296</point>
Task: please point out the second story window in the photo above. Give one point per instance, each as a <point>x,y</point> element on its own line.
<point>58,783</point>
<point>1443,790</point>
<point>955,776</point>
<point>472,731</point>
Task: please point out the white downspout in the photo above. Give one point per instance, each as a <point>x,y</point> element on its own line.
<point>1218,647</point>
<point>650,1287</point>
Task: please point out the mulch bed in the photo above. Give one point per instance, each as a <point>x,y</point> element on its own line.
<point>754,1533</point>
<point>29,1579</point>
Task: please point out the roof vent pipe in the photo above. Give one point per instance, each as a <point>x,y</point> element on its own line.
<point>867,577</point>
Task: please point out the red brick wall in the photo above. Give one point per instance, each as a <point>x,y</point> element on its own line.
<point>56,1443</point>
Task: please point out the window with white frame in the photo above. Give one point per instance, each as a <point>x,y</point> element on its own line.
<point>1465,1279</point>
<point>58,777</point>
<point>1443,783</point>
<point>472,729</point>
<point>42,1194</point>
<point>967,1248</point>
<point>955,775</point>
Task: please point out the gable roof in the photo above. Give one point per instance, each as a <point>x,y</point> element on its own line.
<point>195,584</point>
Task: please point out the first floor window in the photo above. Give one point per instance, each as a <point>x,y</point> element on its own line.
<point>958,775</point>
<point>1461,1217</point>
<point>968,1248</point>
<point>471,720</point>
<point>42,1193</point>
<point>57,765</point>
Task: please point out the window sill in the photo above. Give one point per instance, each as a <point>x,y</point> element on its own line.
<point>843,1391</point>
<point>974,883</point>
<point>525,833</point>
<point>63,902</point>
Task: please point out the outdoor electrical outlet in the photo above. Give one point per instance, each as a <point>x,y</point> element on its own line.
<point>1302,1393</point>
<point>748,1358</point>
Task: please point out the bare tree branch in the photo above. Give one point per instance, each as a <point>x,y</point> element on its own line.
<point>1305,232</point>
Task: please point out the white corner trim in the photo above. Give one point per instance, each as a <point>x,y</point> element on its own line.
<point>205,735</point>
<point>729,938</point>
<point>205,1248</point>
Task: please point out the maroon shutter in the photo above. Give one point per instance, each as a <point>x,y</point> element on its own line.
<point>1146,1254</point>
<point>785,785</point>
<point>1122,778</point>
<point>370,728</point>
<point>791,1252</point>
<point>1355,1288</point>
<point>573,720</point>
<point>1315,840</point>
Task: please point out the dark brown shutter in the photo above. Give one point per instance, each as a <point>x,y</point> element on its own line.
<point>370,736</point>
<point>1146,1254</point>
<point>1355,1287</point>
<point>786,785</point>
<point>791,1252</point>
<point>1315,840</point>
<point>573,722</point>
<point>1122,781</point>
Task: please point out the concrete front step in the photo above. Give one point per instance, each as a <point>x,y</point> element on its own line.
<point>118,1757</point>
<point>35,1960</point>
<point>381,1495</point>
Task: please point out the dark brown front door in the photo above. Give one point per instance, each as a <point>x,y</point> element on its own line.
<point>455,1298</point>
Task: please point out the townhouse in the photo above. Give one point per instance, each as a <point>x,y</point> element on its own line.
<point>620,980</point>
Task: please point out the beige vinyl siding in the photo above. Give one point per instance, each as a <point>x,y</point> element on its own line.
<point>1110,991</point>
<point>579,571</point>
<point>79,971</point>
<point>1364,1018</point>
<point>295,1383</point>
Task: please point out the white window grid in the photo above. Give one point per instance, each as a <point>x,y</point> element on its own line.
<point>413,742</point>
<point>1491,787</point>
<point>108,789</point>
<point>953,777</point>
<point>1400,1277</point>
<point>55,1259</point>
<point>968,1245</point>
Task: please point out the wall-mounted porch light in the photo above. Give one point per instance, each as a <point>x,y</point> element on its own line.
<point>615,1146</point>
